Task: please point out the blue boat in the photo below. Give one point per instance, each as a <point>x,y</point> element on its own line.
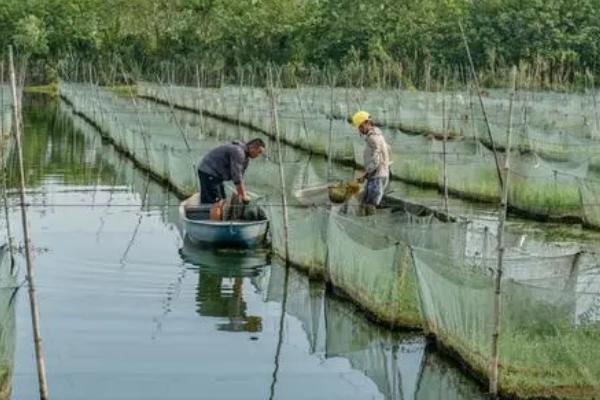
<point>202,231</point>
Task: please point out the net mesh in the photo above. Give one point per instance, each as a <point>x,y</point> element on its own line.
<point>555,136</point>
<point>542,346</point>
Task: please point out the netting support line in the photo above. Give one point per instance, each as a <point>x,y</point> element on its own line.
<point>35,317</point>
<point>493,388</point>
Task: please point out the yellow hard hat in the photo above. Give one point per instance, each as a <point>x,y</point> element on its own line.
<point>359,118</point>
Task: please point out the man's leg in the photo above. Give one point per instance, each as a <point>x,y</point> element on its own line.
<point>373,194</point>
<point>212,192</point>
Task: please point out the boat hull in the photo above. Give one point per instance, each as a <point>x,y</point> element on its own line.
<point>241,234</point>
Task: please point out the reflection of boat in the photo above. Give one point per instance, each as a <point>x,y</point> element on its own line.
<point>221,277</point>
<point>227,262</point>
<point>200,230</point>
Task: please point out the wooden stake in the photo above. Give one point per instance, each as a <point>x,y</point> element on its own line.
<point>35,318</point>
<point>485,118</point>
<point>3,166</point>
<point>444,132</point>
<point>330,144</point>
<point>281,174</point>
<point>498,281</point>
<point>596,117</point>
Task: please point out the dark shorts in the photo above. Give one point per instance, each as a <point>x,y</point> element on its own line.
<point>211,188</point>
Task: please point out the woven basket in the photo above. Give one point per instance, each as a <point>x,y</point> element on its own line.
<point>341,192</point>
<point>337,193</point>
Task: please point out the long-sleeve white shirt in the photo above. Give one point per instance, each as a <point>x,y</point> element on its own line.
<point>376,156</point>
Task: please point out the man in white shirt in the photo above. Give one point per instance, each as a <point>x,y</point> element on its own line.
<point>376,159</point>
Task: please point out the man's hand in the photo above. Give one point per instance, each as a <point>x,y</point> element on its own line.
<point>241,191</point>
<point>362,178</point>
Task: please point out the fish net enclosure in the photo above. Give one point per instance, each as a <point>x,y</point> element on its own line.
<point>406,268</point>
<point>546,187</point>
<point>365,258</point>
<point>369,260</point>
<point>252,107</point>
<point>590,197</point>
<point>153,136</point>
<point>8,289</point>
<point>545,344</point>
<point>166,142</point>
<point>555,136</point>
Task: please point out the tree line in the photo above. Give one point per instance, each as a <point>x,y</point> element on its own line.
<point>558,39</point>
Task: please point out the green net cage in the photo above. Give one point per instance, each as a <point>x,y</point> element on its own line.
<point>542,342</point>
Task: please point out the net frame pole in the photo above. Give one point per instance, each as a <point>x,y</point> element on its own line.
<point>444,141</point>
<point>275,122</point>
<point>485,116</point>
<point>330,144</point>
<point>595,101</point>
<point>493,386</point>
<point>35,313</point>
<point>4,176</point>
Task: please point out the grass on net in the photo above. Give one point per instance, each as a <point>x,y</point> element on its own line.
<point>541,196</point>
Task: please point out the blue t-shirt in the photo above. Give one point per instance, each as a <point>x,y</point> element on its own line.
<point>227,162</point>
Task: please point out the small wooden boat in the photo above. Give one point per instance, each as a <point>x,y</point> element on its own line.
<point>200,230</point>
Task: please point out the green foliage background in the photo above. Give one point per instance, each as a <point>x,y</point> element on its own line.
<point>554,36</point>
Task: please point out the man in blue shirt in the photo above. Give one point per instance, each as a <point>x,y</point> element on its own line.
<point>227,162</point>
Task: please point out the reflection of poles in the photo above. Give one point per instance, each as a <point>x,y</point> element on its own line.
<point>498,281</point>
<point>35,316</point>
<point>123,259</point>
<point>396,383</point>
<point>280,332</point>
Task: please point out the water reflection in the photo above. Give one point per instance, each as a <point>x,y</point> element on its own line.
<point>221,277</point>
<point>401,365</point>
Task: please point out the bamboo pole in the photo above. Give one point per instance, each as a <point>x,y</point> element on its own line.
<point>478,89</point>
<point>330,144</point>
<point>3,166</point>
<point>35,315</point>
<point>595,100</point>
<point>275,123</point>
<point>444,132</point>
<point>199,105</point>
<point>493,388</point>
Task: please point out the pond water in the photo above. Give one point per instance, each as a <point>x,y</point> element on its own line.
<point>129,310</point>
